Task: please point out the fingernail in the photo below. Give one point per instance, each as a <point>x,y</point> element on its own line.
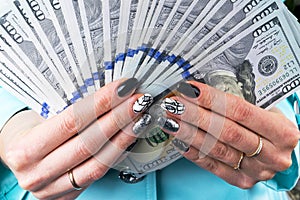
<point>188,90</point>
<point>142,124</point>
<point>182,146</point>
<point>173,106</point>
<point>168,124</point>
<point>127,87</point>
<point>142,103</point>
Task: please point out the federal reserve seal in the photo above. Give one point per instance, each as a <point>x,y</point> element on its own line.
<point>267,66</point>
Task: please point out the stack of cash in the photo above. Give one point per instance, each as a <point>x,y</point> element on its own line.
<point>54,53</point>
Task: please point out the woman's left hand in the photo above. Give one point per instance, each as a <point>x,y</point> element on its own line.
<point>222,133</point>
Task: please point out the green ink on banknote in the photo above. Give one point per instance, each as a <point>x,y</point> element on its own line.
<point>156,136</point>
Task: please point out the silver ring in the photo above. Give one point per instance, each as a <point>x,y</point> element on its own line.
<point>72,181</point>
<point>258,149</point>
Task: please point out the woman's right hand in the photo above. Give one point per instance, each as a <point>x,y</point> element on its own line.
<point>85,141</point>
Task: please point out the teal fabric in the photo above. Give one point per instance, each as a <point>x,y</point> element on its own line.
<point>286,180</point>
<point>9,188</point>
<point>176,182</point>
<point>180,180</point>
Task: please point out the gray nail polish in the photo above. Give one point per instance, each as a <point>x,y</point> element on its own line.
<point>127,87</point>
<point>168,124</point>
<point>142,103</point>
<point>182,146</point>
<point>173,106</point>
<point>188,90</point>
<point>142,124</point>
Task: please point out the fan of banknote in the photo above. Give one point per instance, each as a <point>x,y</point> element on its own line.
<point>54,53</point>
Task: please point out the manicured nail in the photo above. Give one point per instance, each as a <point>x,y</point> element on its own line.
<point>142,124</point>
<point>142,103</point>
<point>182,146</point>
<point>173,106</point>
<point>168,124</point>
<point>130,177</point>
<point>188,90</point>
<point>127,87</point>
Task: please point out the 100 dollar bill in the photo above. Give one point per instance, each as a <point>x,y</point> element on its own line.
<point>267,58</point>
<point>17,37</point>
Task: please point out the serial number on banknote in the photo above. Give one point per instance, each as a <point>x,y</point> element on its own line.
<point>290,70</point>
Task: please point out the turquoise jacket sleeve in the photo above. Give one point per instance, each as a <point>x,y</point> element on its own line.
<point>287,179</point>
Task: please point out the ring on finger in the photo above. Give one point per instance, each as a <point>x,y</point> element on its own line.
<point>72,180</point>
<point>258,148</point>
<point>238,165</point>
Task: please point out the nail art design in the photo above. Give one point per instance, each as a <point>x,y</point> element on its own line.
<point>130,177</point>
<point>168,124</point>
<point>142,124</point>
<point>173,106</point>
<point>182,146</point>
<point>188,90</point>
<point>127,87</point>
<point>142,103</point>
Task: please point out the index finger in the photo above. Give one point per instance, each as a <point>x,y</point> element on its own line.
<point>55,131</point>
<point>235,108</point>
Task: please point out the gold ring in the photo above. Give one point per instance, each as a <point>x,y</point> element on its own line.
<point>258,149</point>
<point>237,166</point>
<point>72,180</point>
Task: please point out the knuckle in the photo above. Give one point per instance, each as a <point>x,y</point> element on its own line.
<point>118,120</point>
<point>293,137</point>
<point>25,184</point>
<point>241,112</point>
<point>125,112</point>
<point>246,182</point>
<point>124,141</point>
<point>203,120</point>
<point>283,164</point>
<point>103,103</point>
<point>30,183</point>
<point>208,99</point>
<point>97,173</point>
<point>115,121</point>
<point>69,124</point>
<point>17,158</point>
<point>120,143</point>
<point>210,165</point>
<point>82,150</point>
<point>231,135</point>
<point>220,151</point>
<point>265,175</point>
<point>121,117</point>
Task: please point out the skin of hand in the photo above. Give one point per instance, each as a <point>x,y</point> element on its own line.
<point>218,128</point>
<point>88,137</point>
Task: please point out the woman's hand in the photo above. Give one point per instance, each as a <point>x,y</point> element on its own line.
<point>81,143</point>
<point>224,134</point>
